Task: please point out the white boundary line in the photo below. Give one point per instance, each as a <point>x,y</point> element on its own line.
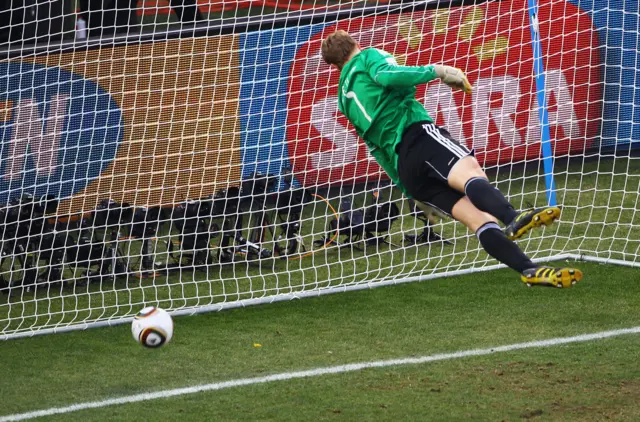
<point>314,373</point>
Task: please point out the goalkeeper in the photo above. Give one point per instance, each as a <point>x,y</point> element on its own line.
<point>378,98</point>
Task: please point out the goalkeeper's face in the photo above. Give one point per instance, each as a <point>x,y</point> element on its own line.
<point>338,48</point>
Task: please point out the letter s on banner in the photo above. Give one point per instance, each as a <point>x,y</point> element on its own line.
<point>500,119</point>
<point>345,143</point>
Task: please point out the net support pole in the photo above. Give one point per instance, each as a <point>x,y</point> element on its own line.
<point>538,71</point>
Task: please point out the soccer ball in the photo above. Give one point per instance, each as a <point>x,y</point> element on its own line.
<point>152,327</point>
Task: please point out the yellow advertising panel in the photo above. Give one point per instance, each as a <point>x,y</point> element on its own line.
<point>176,135</point>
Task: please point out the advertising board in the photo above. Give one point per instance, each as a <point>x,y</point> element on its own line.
<point>152,123</point>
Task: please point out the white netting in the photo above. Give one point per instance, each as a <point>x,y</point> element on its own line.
<point>200,162</point>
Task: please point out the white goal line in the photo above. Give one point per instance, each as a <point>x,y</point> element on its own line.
<point>316,372</point>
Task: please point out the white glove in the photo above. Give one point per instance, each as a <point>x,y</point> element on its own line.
<point>453,77</point>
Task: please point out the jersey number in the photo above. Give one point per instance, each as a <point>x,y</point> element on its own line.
<point>352,95</point>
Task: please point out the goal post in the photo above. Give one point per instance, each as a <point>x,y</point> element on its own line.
<point>202,164</point>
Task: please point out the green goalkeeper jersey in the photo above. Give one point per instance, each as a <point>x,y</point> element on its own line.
<point>378,97</point>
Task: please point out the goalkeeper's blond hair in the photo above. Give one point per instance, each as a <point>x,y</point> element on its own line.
<point>338,47</point>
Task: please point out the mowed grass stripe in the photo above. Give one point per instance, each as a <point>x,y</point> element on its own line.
<point>317,372</point>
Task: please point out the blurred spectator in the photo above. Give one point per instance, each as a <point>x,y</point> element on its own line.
<point>105,18</point>
<point>108,17</point>
<point>32,20</point>
<point>186,10</point>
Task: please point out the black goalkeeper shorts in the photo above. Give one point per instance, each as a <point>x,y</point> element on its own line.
<point>426,155</point>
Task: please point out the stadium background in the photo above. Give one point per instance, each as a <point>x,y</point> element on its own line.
<point>196,114</point>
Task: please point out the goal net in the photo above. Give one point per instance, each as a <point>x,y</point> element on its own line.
<point>194,158</point>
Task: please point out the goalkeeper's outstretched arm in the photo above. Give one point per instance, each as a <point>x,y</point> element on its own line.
<point>385,71</point>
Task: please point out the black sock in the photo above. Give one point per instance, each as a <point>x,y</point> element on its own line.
<point>496,243</point>
<point>489,199</point>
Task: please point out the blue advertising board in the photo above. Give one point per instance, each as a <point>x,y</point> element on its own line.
<point>58,130</point>
<point>265,60</point>
<point>618,23</point>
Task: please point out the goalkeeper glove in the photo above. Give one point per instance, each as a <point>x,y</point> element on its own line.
<point>453,77</point>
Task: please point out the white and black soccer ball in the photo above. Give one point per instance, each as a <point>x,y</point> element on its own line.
<point>152,327</point>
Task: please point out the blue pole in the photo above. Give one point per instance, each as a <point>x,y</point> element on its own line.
<point>538,71</point>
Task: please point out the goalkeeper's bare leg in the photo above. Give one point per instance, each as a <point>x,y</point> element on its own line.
<point>439,171</point>
<point>468,177</point>
<point>496,244</point>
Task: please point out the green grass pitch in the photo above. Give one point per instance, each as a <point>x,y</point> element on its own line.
<point>583,381</point>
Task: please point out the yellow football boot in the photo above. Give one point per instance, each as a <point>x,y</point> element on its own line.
<point>551,277</point>
<point>530,219</point>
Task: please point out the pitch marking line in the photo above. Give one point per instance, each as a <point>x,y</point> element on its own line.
<point>315,372</point>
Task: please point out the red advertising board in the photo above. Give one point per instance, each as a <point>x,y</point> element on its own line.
<point>492,44</point>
